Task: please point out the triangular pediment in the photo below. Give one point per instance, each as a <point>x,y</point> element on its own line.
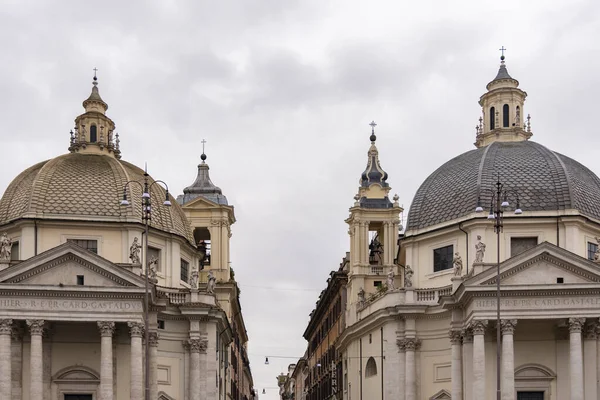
<point>545,264</point>
<point>61,265</point>
<point>201,202</point>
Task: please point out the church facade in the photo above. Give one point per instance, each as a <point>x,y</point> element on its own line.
<point>421,318</point>
<point>82,235</point>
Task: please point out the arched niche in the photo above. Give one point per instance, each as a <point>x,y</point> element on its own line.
<point>76,379</point>
<point>371,368</point>
<point>534,378</point>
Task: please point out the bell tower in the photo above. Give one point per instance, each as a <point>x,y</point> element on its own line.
<point>502,110</point>
<point>93,132</point>
<point>374,223</point>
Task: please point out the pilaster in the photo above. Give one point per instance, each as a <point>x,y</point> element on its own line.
<point>36,329</point>
<point>107,329</point>
<point>508,358</point>
<point>5,358</point>
<point>456,371</point>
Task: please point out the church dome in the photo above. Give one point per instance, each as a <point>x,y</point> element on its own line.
<point>544,180</point>
<point>88,187</point>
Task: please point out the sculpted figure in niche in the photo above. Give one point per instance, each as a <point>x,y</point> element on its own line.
<point>152,264</point>
<point>210,287</point>
<point>390,279</point>
<point>194,279</point>
<point>5,247</point>
<point>134,251</point>
<point>479,250</point>
<point>408,274</point>
<point>458,264</point>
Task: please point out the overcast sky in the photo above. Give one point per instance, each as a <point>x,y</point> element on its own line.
<point>283,91</point>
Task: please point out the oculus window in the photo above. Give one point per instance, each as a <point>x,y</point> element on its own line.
<point>442,258</point>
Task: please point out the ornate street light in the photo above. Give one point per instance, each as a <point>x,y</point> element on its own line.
<point>498,203</point>
<point>146,217</point>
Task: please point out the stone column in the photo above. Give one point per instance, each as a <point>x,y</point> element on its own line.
<point>402,369</point>
<point>590,367</point>
<point>576,358</point>
<point>204,376</point>
<point>508,359</point>
<point>195,390</point>
<point>107,329</point>
<point>136,389</point>
<point>467,339</point>
<point>5,359</point>
<point>456,373</point>
<point>186,369</point>
<point>17,362</point>
<point>36,329</point>
<point>153,365</point>
<point>411,370</point>
<point>47,362</point>
<point>479,328</point>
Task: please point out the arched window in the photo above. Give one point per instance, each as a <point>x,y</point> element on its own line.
<point>371,369</point>
<point>505,119</point>
<point>492,118</point>
<point>93,134</point>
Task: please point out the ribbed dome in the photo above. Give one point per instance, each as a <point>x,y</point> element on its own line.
<point>87,187</point>
<point>545,181</point>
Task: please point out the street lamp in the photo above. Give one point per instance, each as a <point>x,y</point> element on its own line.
<point>146,217</point>
<point>498,203</point>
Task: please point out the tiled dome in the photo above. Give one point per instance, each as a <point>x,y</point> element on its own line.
<point>545,181</point>
<point>87,187</point>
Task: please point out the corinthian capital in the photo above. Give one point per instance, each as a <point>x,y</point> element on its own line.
<point>590,331</point>
<point>508,326</point>
<point>136,329</point>
<point>153,337</point>
<point>5,326</point>
<point>479,326</point>
<point>455,336</point>
<point>412,344</point>
<point>107,328</point>
<point>36,326</point>
<point>576,324</point>
<point>198,345</point>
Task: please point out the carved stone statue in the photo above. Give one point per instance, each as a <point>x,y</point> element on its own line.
<point>390,279</point>
<point>152,265</point>
<point>376,251</point>
<point>458,264</point>
<point>134,251</point>
<point>408,274</point>
<point>361,296</point>
<point>479,250</point>
<point>194,279</point>
<point>210,287</point>
<point>596,254</point>
<point>5,248</point>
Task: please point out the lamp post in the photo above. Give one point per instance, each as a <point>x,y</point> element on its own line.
<point>146,217</point>
<point>498,203</point>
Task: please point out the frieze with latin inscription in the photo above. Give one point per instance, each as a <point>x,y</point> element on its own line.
<point>542,303</point>
<point>70,305</point>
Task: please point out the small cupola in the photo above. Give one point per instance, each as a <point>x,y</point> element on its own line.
<point>94,131</point>
<point>502,110</point>
<point>373,181</point>
<point>202,186</point>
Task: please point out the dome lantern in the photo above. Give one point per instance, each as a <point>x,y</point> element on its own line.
<point>373,185</point>
<point>502,109</point>
<point>93,132</point>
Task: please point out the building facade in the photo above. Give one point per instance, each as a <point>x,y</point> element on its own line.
<point>73,280</point>
<point>421,320</point>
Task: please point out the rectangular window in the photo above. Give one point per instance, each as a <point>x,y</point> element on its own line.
<point>442,258</point>
<point>155,253</point>
<point>161,324</point>
<point>592,248</point>
<point>80,280</point>
<point>14,251</point>
<point>521,244</point>
<point>90,245</point>
<point>184,271</point>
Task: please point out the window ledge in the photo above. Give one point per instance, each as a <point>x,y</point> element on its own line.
<point>440,273</point>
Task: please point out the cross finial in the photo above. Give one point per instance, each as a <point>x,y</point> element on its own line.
<point>502,49</point>
<point>203,143</point>
<point>373,125</point>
